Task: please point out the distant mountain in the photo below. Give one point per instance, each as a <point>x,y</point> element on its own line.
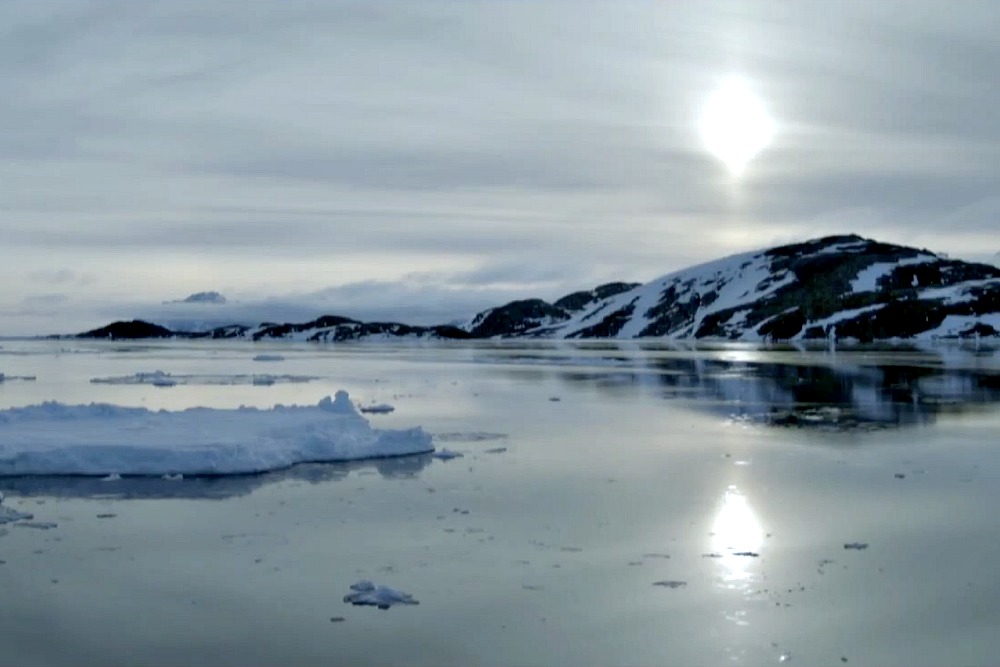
<point>211,298</point>
<point>842,287</point>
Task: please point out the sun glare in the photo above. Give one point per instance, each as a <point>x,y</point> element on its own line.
<point>735,125</point>
<point>736,530</point>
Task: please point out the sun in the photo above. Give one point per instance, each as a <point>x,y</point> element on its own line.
<point>734,124</point>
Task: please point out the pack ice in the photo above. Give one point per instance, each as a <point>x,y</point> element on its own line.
<point>102,439</point>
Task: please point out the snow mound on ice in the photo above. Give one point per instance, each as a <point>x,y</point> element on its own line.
<point>102,439</point>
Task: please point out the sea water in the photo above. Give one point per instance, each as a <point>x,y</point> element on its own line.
<point>613,504</point>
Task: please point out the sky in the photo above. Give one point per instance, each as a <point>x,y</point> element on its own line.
<point>423,160</point>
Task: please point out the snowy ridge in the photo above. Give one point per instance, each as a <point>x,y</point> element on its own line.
<point>101,439</point>
<point>840,287</point>
<point>844,287</point>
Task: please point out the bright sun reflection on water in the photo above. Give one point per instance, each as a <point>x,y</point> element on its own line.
<point>736,530</point>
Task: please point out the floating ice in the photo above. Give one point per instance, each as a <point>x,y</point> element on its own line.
<point>446,454</point>
<point>378,408</point>
<point>8,378</point>
<point>40,525</point>
<point>671,583</point>
<point>10,515</point>
<point>269,357</point>
<point>162,379</point>
<point>856,545</point>
<point>101,439</point>
<point>383,597</point>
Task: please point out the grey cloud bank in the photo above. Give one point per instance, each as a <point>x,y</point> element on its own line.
<point>391,154</point>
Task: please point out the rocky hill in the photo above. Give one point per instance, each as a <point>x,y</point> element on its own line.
<point>843,287</point>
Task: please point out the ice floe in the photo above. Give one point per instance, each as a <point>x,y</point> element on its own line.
<point>378,408</point>
<point>269,357</point>
<point>10,515</point>
<point>383,597</point>
<point>162,379</point>
<point>446,454</point>
<point>9,378</point>
<point>102,439</point>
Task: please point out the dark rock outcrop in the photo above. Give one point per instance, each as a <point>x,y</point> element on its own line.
<point>128,331</point>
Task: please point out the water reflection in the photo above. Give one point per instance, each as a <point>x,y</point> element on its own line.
<point>736,538</point>
<point>209,487</point>
<point>791,388</point>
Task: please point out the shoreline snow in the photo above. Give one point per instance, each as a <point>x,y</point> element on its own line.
<point>102,439</point>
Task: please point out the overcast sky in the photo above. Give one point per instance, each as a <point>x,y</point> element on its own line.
<point>364,158</point>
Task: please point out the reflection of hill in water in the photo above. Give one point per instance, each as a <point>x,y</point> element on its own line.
<point>867,389</point>
<point>207,487</point>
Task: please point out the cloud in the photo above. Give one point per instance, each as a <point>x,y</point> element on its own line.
<point>263,148</point>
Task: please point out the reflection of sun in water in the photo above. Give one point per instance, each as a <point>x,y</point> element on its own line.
<point>736,529</point>
<point>734,124</point>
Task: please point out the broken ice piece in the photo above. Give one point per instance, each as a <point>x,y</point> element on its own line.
<point>446,454</point>
<point>383,597</point>
<point>670,583</point>
<point>856,545</point>
<point>378,409</point>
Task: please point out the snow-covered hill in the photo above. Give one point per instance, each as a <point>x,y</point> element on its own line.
<point>843,286</point>
<point>846,287</point>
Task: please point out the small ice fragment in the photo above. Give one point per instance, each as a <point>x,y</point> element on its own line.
<point>900,475</point>
<point>378,409</point>
<point>670,583</point>
<point>712,555</point>
<point>163,381</point>
<point>113,477</point>
<point>856,545</point>
<point>40,525</point>
<point>496,450</point>
<point>656,555</point>
<point>337,619</point>
<point>554,399</point>
<point>383,597</point>
<point>269,357</point>
<point>446,454</point>
<point>173,478</point>
<point>10,515</point>
<point>107,515</point>
<point>748,554</point>
<point>263,380</point>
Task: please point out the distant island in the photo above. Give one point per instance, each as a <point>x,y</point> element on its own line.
<point>211,298</point>
<point>837,287</point>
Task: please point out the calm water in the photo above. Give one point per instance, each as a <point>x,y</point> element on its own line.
<point>590,473</point>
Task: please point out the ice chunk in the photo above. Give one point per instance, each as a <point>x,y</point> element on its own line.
<point>383,597</point>
<point>269,357</point>
<point>378,408</point>
<point>101,439</point>
<point>446,454</point>
<point>161,379</point>
<point>40,525</point>
<point>10,515</point>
